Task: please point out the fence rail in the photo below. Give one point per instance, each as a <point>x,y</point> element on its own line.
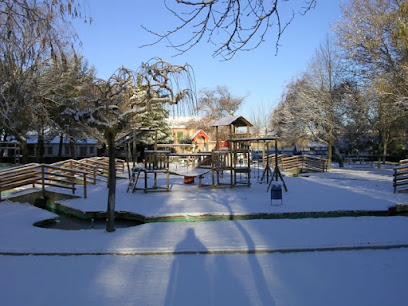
<point>80,165</point>
<point>301,162</point>
<point>101,165</point>
<point>45,175</point>
<point>400,180</point>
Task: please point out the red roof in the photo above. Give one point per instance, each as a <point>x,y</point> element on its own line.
<point>199,133</point>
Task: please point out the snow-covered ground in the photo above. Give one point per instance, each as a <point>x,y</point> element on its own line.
<point>307,261</point>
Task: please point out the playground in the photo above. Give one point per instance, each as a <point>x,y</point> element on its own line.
<point>333,237</point>
<point>177,258</point>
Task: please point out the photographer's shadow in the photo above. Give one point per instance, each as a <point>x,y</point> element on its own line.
<point>189,280</point>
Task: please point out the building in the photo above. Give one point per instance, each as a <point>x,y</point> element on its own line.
<point>83,147</point>
<point>187,139</point>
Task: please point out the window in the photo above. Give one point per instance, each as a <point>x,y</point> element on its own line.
<point>49,150</point>
<point>66,149</point>
<point>91,150</point>
<point>179,135</point>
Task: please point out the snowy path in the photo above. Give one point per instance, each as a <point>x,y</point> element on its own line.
<point>316,278</point>
<point>206,237</point>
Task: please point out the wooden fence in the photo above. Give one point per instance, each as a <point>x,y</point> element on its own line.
<point>91,170</point>
<point>303,163</point>
<point>101,165</point>
<point>119,163</point>
<point>45,175</point>
<point>400,180</point>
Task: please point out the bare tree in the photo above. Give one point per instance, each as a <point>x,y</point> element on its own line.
<point>261,120</point>
<point>32,35</point>
<point>313,105</point>
<point>214,104</point>
<point>113,104</point>
<point>218,103</point>
<point>372,34</point>
<point>232,25</point>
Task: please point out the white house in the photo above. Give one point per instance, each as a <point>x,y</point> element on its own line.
<point>83,147</point>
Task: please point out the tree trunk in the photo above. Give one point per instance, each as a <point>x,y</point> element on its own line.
<point>24,151</point>
<point>339,157</point>
<point>379,155</point>
<point>60,146</point>
<point>329,153</point>
<point>110,213</point>
<point>384,153</point>
<point>72,145</point>
<point>40,147</point>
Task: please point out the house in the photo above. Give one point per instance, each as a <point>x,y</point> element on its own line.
<point>200,141</point>
<point>179,130</point>
<point>188,139</point>
<point>85,147</point>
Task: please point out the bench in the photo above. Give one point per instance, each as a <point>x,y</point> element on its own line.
<point>189,175</point>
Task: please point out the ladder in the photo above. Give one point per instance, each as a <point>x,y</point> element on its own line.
<point>134,178</point>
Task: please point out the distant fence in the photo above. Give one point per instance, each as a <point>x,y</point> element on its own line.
<point>300,162</point>
<point>400,180</point>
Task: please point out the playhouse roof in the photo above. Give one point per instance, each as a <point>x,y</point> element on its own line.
<point>199,133</point>
<point>232,120</point>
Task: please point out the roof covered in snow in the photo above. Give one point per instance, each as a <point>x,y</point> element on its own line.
<point>56,140</point>
<point>199,133</point>
<point>232,120</point>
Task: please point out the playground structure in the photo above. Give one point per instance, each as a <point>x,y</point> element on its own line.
<point>232,156</point>
<point>158,162</point>
<point>11,150</point>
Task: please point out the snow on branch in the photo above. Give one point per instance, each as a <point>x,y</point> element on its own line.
<point>114,103</point>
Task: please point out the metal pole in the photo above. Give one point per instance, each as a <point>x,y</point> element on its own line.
<point>276,159</point>
<point>134,149</point>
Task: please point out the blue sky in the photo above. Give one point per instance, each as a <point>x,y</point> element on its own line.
<point>115,36</point>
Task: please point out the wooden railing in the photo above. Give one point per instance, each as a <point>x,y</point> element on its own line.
<point>220,160</point>
<point>301,162</point>
<point>157,160</point>
<point>400,180</point>
<point>202,159</point>
<point>19,176</point>
<point>101,165</point>
<point>80,165</point>
<point>314,163</point>
<point>45,175</point>
<point>120,164</point>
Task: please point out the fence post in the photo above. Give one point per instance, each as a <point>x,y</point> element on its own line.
<point>73,182</point>
<point>85,185</point>
<point>43,180</point>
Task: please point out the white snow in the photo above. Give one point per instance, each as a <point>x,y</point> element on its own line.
<point>308,261</point>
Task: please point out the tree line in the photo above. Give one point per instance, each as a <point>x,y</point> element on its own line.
<point>45,86</point>
<point>353,94</point>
